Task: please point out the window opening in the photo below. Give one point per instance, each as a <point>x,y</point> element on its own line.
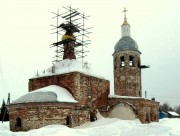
<point>89,91</point>
<point>152,117</point>
<point>68,120</point>
<point>93,116</point>
<point>147,117</point>
<point>18,122</point>
<point>139,66</point>
<point>131,61</point>
<point>122,62</point>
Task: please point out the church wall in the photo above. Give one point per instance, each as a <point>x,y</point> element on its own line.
<point>67,81</point>
<point>145,110</point>
<point>79,85</point>
<point>36,115</point>
<point>95,91</point>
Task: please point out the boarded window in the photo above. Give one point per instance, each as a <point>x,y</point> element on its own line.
<point>132,77</point>
<point>89,91</point>
<point>122,78</point>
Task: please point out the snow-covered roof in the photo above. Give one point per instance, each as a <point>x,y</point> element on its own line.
<point>52,93</point>
<point>173,113</point>
<point>67,66</point>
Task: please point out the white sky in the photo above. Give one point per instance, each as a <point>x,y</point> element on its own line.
<point>25,38</point>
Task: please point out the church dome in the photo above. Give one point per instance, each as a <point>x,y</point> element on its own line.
<point>126,44</point>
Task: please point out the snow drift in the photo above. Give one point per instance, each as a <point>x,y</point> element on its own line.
<point>103,127</point>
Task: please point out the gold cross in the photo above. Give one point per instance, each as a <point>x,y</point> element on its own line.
<point>125,10</point>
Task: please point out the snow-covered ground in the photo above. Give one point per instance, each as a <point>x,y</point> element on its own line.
<point>103,127</point>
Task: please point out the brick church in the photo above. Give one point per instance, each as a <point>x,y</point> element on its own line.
<point>75,95</point>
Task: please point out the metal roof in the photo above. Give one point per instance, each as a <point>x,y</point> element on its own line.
<point>126,44</point>
<point>37,97</point>
<point>52,93</point>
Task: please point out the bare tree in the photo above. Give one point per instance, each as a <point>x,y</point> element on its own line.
<point>177,109</point>
<point>165,107</point>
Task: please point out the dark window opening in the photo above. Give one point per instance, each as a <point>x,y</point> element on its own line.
<point>147,117</point>
<point>93,116</point>
<point>122,62</point>
<point>139,66</point>
<point>18,122</point>
<point>68,120</point>
<point>131,63</point>
<point>152,116</point>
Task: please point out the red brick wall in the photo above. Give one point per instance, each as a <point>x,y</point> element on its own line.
<point>36,115</point>
<point>141,107</point>
<point>127,78</point>
<point>67,81</point>
<point>78,85</point>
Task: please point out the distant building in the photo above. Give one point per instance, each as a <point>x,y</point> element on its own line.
<point>162,115</point>
<point>172,114</point>
<point>69,94</point>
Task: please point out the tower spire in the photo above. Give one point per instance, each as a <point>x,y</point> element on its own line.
<point>125,18</point>
<point>125,28</point>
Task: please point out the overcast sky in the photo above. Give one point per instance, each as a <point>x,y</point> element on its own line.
<point>155,25</point>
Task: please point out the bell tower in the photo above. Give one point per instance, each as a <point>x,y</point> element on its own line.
<point>127,64</point>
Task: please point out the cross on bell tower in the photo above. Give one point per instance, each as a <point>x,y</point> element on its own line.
<point>125,28</point>
<point>125,10</point>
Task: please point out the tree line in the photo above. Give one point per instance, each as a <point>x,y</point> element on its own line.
<point>4,115</point>
<point>166,107</point>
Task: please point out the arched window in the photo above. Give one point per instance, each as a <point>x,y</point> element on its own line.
<point>68,120</point>
<point>122,61</point>
<point>92,116</point>
<point>131,63</point>
<point>147,117</point>
<point>18,122</point>
<point>152,116</point>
